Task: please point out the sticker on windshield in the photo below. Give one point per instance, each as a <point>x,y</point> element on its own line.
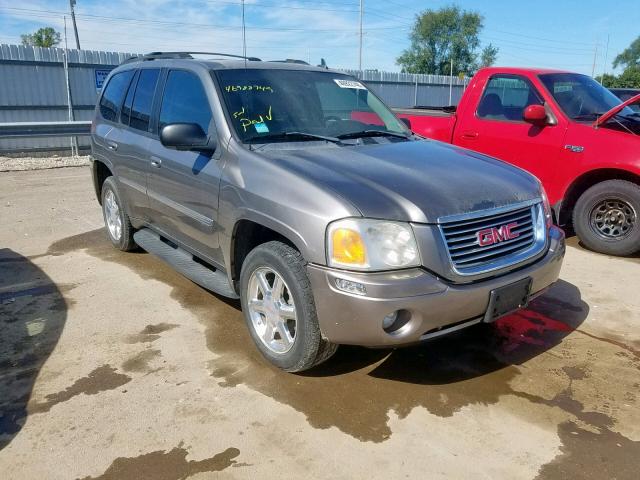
<point>261,127</point>
<point>349,84</point>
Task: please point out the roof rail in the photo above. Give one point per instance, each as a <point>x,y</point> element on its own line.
<point>290,60</point>
<point>163,55</point>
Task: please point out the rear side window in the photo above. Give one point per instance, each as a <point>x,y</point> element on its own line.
<point>143,99</point>
<point>185,101</point>
<point>113,94</point>
<point>125,114</point>
<point>506,97</point>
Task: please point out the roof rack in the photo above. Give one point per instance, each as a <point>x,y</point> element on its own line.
<point>163,55</point>
<point>290,60</point>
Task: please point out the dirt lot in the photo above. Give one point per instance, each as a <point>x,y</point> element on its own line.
<point>112,366</point>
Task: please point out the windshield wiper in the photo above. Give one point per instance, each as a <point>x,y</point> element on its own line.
<point>372,133</point>
<point>292,136</point>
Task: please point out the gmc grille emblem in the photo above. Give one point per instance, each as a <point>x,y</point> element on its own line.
<point>490,236</point>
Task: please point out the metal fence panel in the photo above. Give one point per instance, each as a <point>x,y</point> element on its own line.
<point>33,88</point>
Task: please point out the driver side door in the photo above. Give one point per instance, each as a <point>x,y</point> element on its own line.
<point>497,127</point>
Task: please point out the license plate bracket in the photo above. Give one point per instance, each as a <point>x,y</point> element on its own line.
<point>508,299</point>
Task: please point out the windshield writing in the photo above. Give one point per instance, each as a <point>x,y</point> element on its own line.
<point>269,102</point>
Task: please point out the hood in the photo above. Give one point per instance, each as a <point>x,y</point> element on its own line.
<point>417,181</point>
<point>603,118</point>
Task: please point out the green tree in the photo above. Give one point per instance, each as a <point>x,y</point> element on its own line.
<point>488,56</point>
<point>438,36</point>
<point>43,37</point>
<point>630,57</point>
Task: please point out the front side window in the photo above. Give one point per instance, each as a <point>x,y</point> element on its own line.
<point>505,98</point>
<point>143,99</point>
<point>113,95</point>
<point>265,103</point>
<point>185,101</point>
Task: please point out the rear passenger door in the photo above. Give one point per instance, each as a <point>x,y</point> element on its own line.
<point>183,185</point>
<point>131,141</point>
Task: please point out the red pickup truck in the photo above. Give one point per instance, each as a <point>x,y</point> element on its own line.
<point>565,128</point>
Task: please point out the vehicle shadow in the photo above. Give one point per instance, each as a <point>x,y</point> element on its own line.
<point>32,315</point>
<point>475,351</point>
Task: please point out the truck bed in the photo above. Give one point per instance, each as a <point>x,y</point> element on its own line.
<point>433,122</point>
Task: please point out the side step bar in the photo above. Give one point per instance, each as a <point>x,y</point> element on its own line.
<point>184,262</point>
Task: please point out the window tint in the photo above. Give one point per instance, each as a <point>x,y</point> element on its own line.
<point>506,97</point>
<point>125,115</point>
<point>113,93</point>
<point>185,101</point>
<point>143,99</point>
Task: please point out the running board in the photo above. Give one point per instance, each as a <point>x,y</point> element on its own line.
<point>185,263</point>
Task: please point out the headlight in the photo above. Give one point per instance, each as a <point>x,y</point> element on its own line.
<point>366,244</point>
<point>548,214</point>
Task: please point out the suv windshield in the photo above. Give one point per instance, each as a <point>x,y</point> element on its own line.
<point>298,105</point>
<point>580,96</point>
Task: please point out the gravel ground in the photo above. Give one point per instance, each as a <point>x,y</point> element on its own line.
<point>114,366</point>
<point>8,164</point>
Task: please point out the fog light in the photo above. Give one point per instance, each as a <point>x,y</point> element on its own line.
<point>395,322</point>
<point>350,287</point>
<point>389,320</point>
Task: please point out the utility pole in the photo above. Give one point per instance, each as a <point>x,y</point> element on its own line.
<point>604,66</point>
<point>72,4</point>
<point>451,82</point>
<point>595,57</point>
<point>67,84</point>
<point>360,49</point>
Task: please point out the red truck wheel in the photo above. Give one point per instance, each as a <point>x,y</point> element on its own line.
<point>607,217</point>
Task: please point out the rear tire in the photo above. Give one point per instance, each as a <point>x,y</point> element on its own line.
<point>119,229</point>
<point>278,306</point>
<point>606,218</point>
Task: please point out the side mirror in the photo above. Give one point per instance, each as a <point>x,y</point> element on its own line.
<point>186,136</point>
<point>535,115</point>
<point>406,121</point>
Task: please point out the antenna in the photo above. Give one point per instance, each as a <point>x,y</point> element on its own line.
<point>244,38</point>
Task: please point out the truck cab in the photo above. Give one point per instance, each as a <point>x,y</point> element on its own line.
<point>578,138</point>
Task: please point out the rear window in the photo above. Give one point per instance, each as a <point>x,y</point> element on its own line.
<point>143,99</point>
<point>113,95</point>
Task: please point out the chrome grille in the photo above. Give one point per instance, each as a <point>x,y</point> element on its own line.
<point>469,258</point>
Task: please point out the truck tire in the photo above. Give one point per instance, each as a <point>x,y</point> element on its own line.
<point>606,217</point>
<point>279,309</point>
<point>119,229</point>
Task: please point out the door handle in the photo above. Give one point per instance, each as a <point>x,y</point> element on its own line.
<point>156,162</point>
<point>470,135</point>
<point>112,145</point>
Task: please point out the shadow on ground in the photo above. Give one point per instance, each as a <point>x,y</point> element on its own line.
<point>32,316</point>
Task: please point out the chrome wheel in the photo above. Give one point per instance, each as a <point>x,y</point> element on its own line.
<point>613,218</point>
<point>112,215</point>
<point>272,310</point>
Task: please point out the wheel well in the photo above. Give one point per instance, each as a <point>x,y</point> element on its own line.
<point>100,173</point>
<point>248,235</point>
<point>586,181</point>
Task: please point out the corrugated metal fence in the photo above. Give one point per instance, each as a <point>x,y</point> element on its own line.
<point>33,88</point>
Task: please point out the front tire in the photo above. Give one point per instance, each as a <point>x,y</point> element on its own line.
<point>606,218</point>
<point>119,229</point>
<point>279,309</point>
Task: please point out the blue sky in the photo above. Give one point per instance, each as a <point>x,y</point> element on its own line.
<point>544,33</point>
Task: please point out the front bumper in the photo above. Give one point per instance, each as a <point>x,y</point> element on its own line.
<point>431,305</point>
